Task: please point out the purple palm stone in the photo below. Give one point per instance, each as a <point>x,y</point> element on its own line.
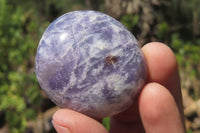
<point>89,62</point>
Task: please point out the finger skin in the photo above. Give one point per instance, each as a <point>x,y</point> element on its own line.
<point>76,122</point>
<point>158,110</point>
<point>163,69</point>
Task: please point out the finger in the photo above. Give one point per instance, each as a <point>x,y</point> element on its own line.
<point>163,69</point>
<point>68,121</point>
<point>158,110</point>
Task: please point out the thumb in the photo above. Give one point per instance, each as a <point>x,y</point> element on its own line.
<point>68,121</point>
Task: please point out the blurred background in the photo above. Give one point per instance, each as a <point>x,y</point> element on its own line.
<point>24,108</point>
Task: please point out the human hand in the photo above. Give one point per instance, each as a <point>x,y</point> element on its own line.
<point>158,109</point>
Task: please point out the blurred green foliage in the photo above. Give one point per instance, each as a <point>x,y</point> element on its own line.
<point>106,123</point>
<point>129,20</point>
<point>163,30</point>
<point>19,91</point>
<point>23,22</point>
<point>187,52</point>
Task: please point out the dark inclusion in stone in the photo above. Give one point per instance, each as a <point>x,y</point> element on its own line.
<point>89,62</point>
<point>111,59</point>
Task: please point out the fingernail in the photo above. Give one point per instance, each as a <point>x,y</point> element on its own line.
<point>59,128</point>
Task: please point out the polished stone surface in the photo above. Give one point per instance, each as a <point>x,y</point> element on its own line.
<point>89,62</point>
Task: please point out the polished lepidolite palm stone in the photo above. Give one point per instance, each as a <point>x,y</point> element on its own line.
<point>89,62</point>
